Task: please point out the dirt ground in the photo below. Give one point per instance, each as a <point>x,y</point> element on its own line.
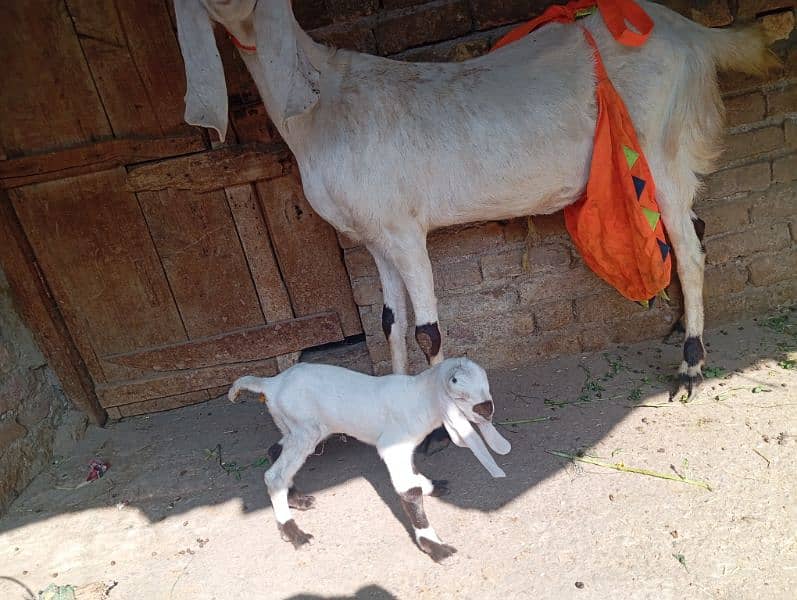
<point>169,521</point>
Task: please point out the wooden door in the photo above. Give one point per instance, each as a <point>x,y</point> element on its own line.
<point>153,267</point>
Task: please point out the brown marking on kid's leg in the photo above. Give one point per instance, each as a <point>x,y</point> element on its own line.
<point>412,503</point>
<point>438,552</point>
<point>429,339</point>
<point>300,501</point>
<point>290,532</point>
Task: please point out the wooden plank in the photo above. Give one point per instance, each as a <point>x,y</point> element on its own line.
<point>203,259</point>
<point>247,345</point>
<point>48,100</point>
<point>148,388</point>
<point>92,158</point>
<point>309,256</point>
<point>255,240</point>
<point>95,250</point>
<point>40,312</point>
<point>160,404</point>
<point>113,69</point>
<point>213,170</point>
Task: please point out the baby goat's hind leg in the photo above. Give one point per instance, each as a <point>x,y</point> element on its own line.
<point>296,499</point>
<point>294,450</point>
<point>408,485</point>
<point>685,233</point>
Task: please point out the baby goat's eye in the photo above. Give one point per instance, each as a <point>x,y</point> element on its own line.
<point>453,380</point>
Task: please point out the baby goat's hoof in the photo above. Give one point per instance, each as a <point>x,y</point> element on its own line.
<point>438,552</point>
<point>290,532</point>
<point>300,501</point>
<point>440,488</point>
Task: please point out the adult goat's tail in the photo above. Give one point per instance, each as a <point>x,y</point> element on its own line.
<point>742,49</point>
<point>256,385</point>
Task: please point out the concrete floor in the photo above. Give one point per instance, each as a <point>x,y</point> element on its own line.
<point>168,522</point>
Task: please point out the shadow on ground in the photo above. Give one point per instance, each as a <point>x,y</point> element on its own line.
<point>169,463</point>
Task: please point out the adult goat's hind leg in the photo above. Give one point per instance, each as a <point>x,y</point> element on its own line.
<point>394,311</point>
<point>685,234</point>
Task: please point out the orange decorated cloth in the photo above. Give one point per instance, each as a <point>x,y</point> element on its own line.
<point>616,225</point>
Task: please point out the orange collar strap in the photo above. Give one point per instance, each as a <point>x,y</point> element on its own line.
<point>237,43</point>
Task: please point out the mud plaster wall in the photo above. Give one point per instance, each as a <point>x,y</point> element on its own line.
<point>32,405</point>
<point>510,294</point>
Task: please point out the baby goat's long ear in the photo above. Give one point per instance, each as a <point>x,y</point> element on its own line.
<point>463,434</point>
<point>206,89</point>
<point>494,439</point>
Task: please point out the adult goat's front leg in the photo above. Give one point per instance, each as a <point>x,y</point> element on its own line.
<point>394,311</point>
<point>408,485</point>
<point>408,252</point>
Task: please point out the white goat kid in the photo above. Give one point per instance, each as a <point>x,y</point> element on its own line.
<point>390,150</point>
<point>310,402</point>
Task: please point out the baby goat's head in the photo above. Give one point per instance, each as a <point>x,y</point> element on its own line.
<point>467,399</point>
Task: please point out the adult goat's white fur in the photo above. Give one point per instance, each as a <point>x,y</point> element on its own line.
<point>310,402</point>
<point>390,150</point>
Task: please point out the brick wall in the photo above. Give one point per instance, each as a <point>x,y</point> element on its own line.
<point>32,405</point>
<point>510,293</point>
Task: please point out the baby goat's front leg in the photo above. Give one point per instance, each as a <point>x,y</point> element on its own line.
<point>408,484</point>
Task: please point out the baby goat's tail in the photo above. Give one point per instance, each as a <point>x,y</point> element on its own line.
<point>256,385</point>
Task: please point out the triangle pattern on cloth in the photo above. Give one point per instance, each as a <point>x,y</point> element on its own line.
<point>665,250</point>
<point>639,186</point>
<point>652,216</point>
<point>631,156</point>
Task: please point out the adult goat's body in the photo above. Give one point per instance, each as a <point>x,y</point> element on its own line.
<point>390,150</point>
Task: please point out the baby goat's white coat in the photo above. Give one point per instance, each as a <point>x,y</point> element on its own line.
<point>310,402</point>
<point>390,150</point>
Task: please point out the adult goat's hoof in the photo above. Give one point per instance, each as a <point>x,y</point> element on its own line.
<point>300,501</point>
<point>435,442</point>
<point>438,552</point>
<point>290,532</point>
<point>687,385</point>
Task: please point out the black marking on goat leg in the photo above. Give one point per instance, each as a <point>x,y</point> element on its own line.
<point>700,229</point>
<point>274,452</point>
<point>290,532</point>
<point>412,503</point>
<point>428,338</point>
<point>388,318</point>
<point>438,552</point>
<point>441,439</point>
<point>693,351</point>
<point>300,501</point>
<point>440,488</point>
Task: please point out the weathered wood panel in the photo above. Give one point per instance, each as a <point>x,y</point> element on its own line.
<point>309,256</point>
<point>40,312</point>
<point>48,99</point>
<point>239,346</point>
<point>128,392</point>
<point>159,404</point>
<point>92,158</point>
<point>271,292</point>
<point>113,69</point>
<point>203,259</point>
<point>213,170</point>
<point>94,248</point>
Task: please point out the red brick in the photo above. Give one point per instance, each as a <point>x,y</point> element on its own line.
<point>547,257</point>
<point>378,348</point>
<point>371,318</point>
<point>782,101</point>
<point>753,177</point>
<point>604,307</point>
<point>553,315</point>
<point>750,8</point>
<point>450,51</point>
<point>343,10</point>
<point>777,203</point>
<point>711,13</point>
<point>454,242</point>
<point>346,242</point>
<point>367,290</point>
<point>356,36</point>
<point>594,338</point>
<point>506,264</point>
<point>484,302</point>
<point>426,24</point>
<point>311,14</point>
<point>747,108</point>
<point>764,238</point>
<point>750,143</point>
<point>784,169</point>
<point>492,13</point>
<point>642,326</point>
<point>790,127</point>
<point>359,263</point>
<point>453,275</point>
<point>725,279</point>
<point>548,225</point>
<point>765,270</point>
<point>761,299</point>
<point>778,26</point>
<point>570,284</point>
<point>723,216</point>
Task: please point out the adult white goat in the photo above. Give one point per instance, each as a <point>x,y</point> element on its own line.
<point>390,150</point>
